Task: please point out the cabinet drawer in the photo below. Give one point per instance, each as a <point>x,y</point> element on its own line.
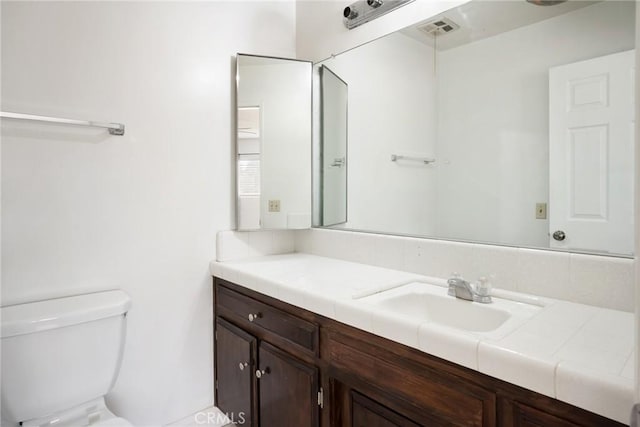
<point>444,397</point>
<point>252,312</point>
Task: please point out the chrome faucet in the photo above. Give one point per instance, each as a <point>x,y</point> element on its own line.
<point>460,288</point>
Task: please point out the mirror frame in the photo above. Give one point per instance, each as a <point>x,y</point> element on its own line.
<point>318,143</point>
<point>235,152</point>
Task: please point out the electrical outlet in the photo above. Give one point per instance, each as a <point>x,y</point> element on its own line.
<point>274,205</point>
<point>541,211</point>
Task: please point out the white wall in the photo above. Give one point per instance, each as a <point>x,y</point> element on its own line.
<point>391,105</point>
<point>83,211</point>
<point>495,167</point>
<point>321,32</point>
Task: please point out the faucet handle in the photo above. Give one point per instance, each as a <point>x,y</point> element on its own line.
<point>483,287</point>
<point>483,290</point>
<point>452,281</point>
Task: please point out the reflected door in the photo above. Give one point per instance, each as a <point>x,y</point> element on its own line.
<point>334,148</point>
<point>591,154</point>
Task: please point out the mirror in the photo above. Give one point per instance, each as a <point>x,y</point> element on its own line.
<point>273,144</point>
<point>496,122</point>
<point>333,158</point>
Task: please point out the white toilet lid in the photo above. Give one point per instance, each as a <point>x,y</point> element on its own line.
<point>113,422</point>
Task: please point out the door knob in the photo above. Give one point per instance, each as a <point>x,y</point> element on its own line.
<point>559,235</point>
<point>242,365</point>
<point>261,373</point>
<point>253,317</point>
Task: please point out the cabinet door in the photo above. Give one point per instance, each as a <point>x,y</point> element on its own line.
<point>367,413</point>
<point>526,416</point>
<point>235,364</point>
<point>288,390</point>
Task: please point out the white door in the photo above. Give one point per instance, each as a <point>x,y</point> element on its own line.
<point>591,137</point>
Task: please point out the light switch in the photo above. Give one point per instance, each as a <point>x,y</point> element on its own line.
<point>541,211</point>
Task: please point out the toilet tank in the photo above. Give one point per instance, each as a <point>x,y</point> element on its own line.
<point>60,353</point>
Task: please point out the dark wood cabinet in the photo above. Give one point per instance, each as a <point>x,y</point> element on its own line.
<point>368,413</point>
<point>259,384</point>
<point>305,370</point>
<point>529,417</point>
<point>296,331</point>
<point>288,390</point>
<point>442,396</point>
<point>235,364</point>
<point>522,415</point>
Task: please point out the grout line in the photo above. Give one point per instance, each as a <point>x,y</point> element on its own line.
<point>625,363</point>
<point>555,378</point>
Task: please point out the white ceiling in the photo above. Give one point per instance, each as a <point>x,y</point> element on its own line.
<point>480,19</point>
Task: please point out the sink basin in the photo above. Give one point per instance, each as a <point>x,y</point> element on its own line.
<point>424,302</point>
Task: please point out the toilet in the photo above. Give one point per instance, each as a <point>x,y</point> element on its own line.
<point>60,357</point>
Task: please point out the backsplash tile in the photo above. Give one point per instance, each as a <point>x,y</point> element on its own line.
<point>438,258</point>
<point>498,263</point>
<point>602,281</point>
<point>388,252</point>
<point>544,273</point>
<point>303,240</point>
<point>283,241</point>
<point>259,243</point>
<point>587,279</point>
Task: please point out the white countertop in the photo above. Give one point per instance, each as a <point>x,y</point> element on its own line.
<point>580,354</point>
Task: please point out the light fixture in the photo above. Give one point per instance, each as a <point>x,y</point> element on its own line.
<point>546,2</point>
<point>366,10</point>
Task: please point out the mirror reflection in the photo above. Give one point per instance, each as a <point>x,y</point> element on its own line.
<point>333,166</point>
<point>498,122</point>
<point>273,143</point>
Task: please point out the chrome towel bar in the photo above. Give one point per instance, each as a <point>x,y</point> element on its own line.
<point>425,160</point>
<point>114,128</point>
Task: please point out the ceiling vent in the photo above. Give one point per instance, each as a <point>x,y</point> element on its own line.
<point>439,26</point>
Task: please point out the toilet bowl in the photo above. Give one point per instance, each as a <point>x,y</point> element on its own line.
<point>60,357</point>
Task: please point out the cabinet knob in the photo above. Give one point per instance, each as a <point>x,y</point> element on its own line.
<point>261,373</point>
<point>242,365</point>
<point>253,317</point>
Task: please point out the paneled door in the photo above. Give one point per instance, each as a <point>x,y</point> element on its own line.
<point>288,390</point>
<point>235,366</point>
<point>591,140</point>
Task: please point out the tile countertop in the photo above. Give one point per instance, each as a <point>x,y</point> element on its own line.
<point>580,354</point>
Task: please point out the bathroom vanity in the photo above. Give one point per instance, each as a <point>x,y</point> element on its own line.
<point>279,364</point>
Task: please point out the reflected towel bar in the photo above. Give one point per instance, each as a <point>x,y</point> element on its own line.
<point>114,128</point>
<point>425,160</point>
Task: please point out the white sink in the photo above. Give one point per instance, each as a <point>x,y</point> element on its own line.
<point>424,302</point>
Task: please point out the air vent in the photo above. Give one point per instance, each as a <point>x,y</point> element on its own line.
<point>439,26</point>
